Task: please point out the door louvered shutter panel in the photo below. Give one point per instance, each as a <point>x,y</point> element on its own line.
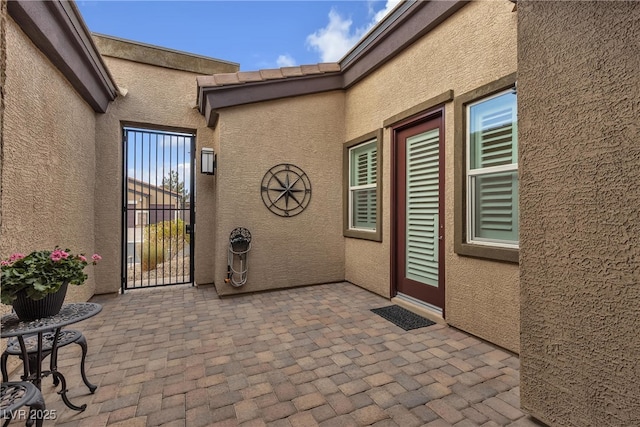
<point>496,193</point>
<point>422,207</point>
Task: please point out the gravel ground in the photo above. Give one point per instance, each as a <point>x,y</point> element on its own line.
<point>171,271</point>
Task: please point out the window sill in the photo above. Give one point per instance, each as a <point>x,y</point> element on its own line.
<point>488,252</point>
<point>375,236</point>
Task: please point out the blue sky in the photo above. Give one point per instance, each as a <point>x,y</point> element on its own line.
<point>256,34</point>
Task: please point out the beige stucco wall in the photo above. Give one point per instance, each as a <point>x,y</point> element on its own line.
<point>475,46</point>
<point>579,103</point>
<point>3,65</point>
<point>48,159</point>
<point>304,249</point>
<point>156,97</point>
<point>160,56</point>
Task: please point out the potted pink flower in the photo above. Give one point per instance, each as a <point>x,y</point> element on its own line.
<point>38,281</point>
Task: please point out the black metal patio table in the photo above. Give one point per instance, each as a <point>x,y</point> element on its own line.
<point>11,326</point>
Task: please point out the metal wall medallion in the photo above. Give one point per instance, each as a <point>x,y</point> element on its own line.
<point>286,190</point>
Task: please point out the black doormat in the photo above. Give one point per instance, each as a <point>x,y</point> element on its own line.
<point>402,317</point>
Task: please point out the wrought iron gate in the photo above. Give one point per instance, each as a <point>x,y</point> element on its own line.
<point>158,208</point>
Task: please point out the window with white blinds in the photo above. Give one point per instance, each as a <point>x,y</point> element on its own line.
<point>492,171</point>
<point>363,166</point>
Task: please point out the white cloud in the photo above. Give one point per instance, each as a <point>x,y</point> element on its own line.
<point>285,60</point>
<point>371,7</point>
<point>387,8</point>
<point>335,40</point>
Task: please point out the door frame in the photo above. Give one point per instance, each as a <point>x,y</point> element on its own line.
<point>436,113</point>
<point>126,126</point>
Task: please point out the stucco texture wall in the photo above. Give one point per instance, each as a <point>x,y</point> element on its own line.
<point>579,101</point>
<point>48,159</point>
<point>304,249</point>
<point>3,65</point>
<point>475,46</point>
<point>156,97</point>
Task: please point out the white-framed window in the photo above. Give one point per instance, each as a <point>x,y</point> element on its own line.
<point>492,170</point>
<point>142,217</point>
<point>362,187</point>
<point>363,167</point>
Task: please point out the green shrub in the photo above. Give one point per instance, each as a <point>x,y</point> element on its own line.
<point>152,255</point>
<point>168,234</point>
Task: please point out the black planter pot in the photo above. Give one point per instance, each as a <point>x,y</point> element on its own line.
<point>28,309</point>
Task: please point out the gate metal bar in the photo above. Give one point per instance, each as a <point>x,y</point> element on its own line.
<point>158,215</point>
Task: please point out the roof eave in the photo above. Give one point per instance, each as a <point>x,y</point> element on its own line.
<point>57,29</point>
<point>405,24</point>
<point>215,97</point>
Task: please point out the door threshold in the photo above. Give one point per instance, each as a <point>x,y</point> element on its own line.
<point>420,308</point>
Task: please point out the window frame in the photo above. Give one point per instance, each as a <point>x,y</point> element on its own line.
<point>353,189</point>
<point>374,137</point>
<point>142,217</point>
<point>463,242</point>
<point>480,172</point>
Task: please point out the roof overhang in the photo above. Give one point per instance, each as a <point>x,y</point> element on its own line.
<point>156,188</point>
<point>408,22</point>
<point>214,98</point>
<point>57,29</point>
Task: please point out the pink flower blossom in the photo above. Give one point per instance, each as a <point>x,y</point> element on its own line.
<point>82,258</point>
<point>16,257</point>
<point>57,255</point>
<point>3,262</point>
<point>64,254</point>
<point>96,257</point>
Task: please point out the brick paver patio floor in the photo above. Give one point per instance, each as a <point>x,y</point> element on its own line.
<point>180,356</point>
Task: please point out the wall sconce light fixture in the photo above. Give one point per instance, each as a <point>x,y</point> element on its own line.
<point>208,161</point>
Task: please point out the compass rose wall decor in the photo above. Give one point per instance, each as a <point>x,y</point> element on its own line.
<point>286,190</point>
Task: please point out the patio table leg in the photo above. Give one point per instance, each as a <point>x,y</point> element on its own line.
<point>59,377</point>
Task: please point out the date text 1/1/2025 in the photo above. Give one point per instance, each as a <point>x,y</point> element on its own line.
<point>33,414</point>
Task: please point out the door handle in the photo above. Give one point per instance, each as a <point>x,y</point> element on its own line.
<point>187,228</point>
